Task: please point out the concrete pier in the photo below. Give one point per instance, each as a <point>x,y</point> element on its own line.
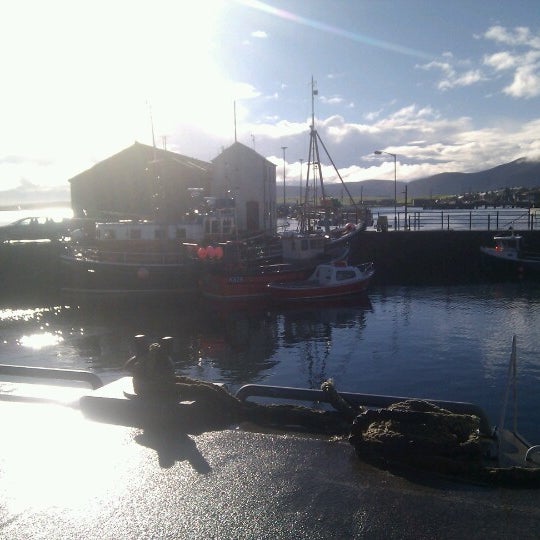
<point>66,476</point>
<point>430,257</point>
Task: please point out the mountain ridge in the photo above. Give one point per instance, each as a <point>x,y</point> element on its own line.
<point>518,173</point>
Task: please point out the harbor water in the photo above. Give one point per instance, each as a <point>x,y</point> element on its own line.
<point>449,343</point>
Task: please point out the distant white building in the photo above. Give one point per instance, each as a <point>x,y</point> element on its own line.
<point>243,174</point>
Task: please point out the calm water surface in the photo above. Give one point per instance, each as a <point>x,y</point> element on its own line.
<point>448,343</point>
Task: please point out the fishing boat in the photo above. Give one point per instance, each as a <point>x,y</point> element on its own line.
<point>139,256</point>
<point>307,246</point>
<point>248,283</point>
<point>509,256</point>
<point>242,272</point>
<point>327,281</point>
<point>324,223</point>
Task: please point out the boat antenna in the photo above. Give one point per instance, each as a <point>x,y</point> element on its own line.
<point>234,107</point>
<point>151,123</point>
<point>157,195</point>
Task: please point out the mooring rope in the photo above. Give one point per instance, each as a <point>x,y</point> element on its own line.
<point>413,433</point>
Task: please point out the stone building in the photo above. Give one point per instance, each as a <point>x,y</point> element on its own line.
<point>139,182</point>
<point>146,182</point>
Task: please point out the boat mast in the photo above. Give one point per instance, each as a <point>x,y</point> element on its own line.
<point>315,162</point>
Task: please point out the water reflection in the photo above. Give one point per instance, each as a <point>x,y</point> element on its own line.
<point>439,342</point>
<point>244,342</point>
<point>229,343</point>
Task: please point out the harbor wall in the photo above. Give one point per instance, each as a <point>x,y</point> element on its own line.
<point>430,257</point>
<point>32,269</point>
<point>29,271</point>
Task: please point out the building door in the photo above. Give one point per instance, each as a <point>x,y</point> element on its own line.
<point>252,216</point>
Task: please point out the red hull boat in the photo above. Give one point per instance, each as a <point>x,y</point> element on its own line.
<point>248,284</point>
<point>327,281</point>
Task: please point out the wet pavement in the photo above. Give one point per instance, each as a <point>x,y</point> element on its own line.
<point>64,476</point>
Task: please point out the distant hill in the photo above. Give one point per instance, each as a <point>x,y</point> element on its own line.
<point>518,173</point>
<point>32,196</point>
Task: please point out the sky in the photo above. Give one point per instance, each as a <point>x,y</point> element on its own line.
<point>446,86</point>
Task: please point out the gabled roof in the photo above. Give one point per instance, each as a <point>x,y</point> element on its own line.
<point>239,148</point>
<point>152,154</point>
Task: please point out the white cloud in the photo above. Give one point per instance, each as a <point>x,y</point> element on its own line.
<point>452,78</point>
<point>522,57</point>
<point>519,36</point>
<point>525,64</point>
<point>260,34</point>
<point>526,83</point>
<point>331,100</point>
<point>501,61</point>
<point>467,78</point>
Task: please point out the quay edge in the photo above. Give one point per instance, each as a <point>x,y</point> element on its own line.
<point>430,257</point>
<point>400,257</point>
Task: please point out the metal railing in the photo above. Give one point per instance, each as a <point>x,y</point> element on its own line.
<point>477,219</point>
<point>367,400</point>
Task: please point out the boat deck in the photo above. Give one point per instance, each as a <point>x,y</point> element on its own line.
<point>65,476</point>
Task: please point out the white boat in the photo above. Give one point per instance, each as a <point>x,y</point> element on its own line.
<point>319,246</point>
<point>508,255</point>
<point>327,281</point>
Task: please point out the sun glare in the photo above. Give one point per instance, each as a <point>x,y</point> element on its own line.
<point>101,64</point>
<point>40,341</point>
<point>86,469</point>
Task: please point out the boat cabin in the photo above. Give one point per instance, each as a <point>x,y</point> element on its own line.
<point>197,228</point>
<point>334,274</point>
<point>508,244</point>
<point>297,247</point>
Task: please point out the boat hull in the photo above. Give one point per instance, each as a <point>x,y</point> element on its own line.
<point>225,285</point>
<point>319,288</point>
<point>292,292</point>
<point>102,278</point>
<point>510,264</point>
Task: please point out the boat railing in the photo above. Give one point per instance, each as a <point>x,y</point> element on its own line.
<point>366,267</point>
<point>130,257</point>
<point>367,400</point>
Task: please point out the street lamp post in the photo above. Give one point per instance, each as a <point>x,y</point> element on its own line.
<point>300,184</point>
<point>406,222</point>
<point>379,152</point>
<point>284,198</point>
